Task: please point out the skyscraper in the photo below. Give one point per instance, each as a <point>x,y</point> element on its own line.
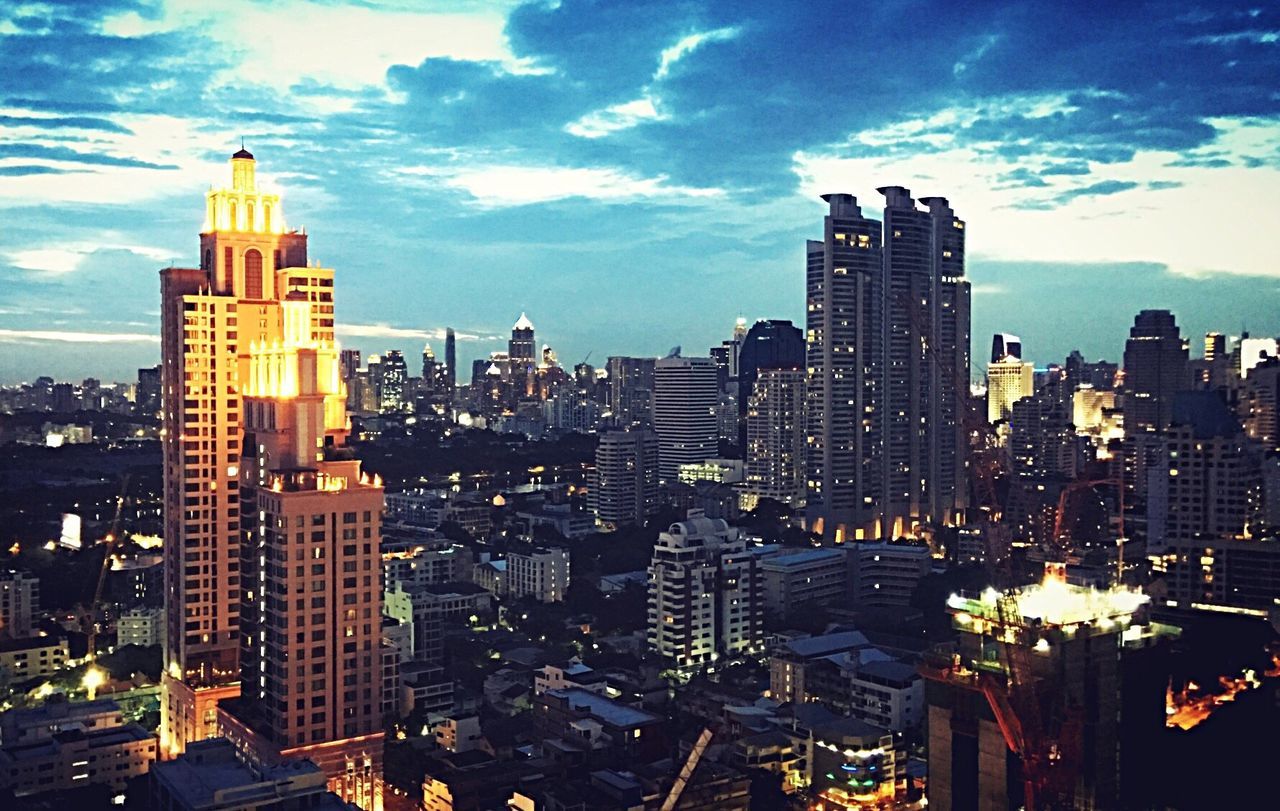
<point>451,361</point>
<point>775,435</point>
<point>1005,345</point>
<point>771,344</point>
<point>395,377</point>
<point>625,487</point>
<point>888,359</point>
<point>685,392</point>
<point>631,391</point>
<point>844,345</point>
<point>311,593</point>
<point>522,350</point>
<point>212,318</point>
<point>1009,379</point>
<point>1155,369</point>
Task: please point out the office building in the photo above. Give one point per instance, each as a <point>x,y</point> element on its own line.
<point>887,336</point>
<point>885,575</point>
<point>1008,381</point>
<point>1215,346</point>
<point>522,351</point>
<point>213,317</point>
<point>631,391</point>
<point>311,597</point>
<point>1005,345</point>
<point>61,746</point>
<point>140,626</point>
<point>775,436</point>
<point>624,489</point>
<point>706,594</point>
<point>795,582</point>
<point>1155,369</point>
<point>212,776</point>
<point>684,413</point>
<point>450,361</point>
<point>19,603</point>
<point>542,574</point>
<point>392,394</point>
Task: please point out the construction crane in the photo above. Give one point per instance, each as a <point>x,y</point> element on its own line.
<point>686,772</point>
<point>87,623</point>
<point>1058,541</point>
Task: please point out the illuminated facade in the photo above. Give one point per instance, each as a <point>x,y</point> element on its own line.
<point>775,436</point>
<point>211,317</point>
<point>1008,381</point>
<point>685,392</point>
<point>254,410</point>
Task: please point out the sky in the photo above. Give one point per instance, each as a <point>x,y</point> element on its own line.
<point>636,175</point>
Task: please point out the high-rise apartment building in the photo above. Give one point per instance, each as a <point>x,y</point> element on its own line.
<point>685,393</point>
<point>625,487</point>
<point>888,358</point>
<point>1009,379</point>
<point>1155,369</point>
<point>542,574</point>
<point>310,566</point>
<point>147,397</point>
<point>212,318</point>
<point>270,531</point>
<point>775,449</point>
<point>706,594</point>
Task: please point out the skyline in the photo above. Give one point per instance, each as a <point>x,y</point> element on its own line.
<point>1077,165</point>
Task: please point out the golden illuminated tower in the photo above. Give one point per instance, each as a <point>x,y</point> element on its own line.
<point>211,317</point>
<point>311,594</point>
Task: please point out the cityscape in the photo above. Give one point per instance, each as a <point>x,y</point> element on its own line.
<point>854,555</point>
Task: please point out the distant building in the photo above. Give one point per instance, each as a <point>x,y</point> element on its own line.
<point>631,391</point>
<point>775,438</point>
<point>684,413</point>
<point>1005,345</point>
<point>140,626</point>
<point>64,746</point>
<point>19,603</point>
<point>624,489</point>
<point>706,594</point>
<point>147,397</point>
<point>1009,379</point>
<point>211,776</point>
<point>1155,369</point>
<point>542,574</point>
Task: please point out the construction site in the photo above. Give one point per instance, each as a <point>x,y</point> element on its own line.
<point>1045,690</point>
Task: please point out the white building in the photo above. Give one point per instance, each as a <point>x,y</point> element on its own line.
<point>686,391</point>
<point>140,626</point>
<point>1008,381</point>
<point>542,574</point>
<point>706,594</point>
<point>796,581</point>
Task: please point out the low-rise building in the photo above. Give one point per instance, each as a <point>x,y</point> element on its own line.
<point>812,577</point>
<point>61,746</point>
<point>542,574</point>
<point>19,603</point>
<point>140,626</point>
<point>31,657</point>
<point>211,776</point>
<point>885,575</point>
<point>604,729</point>
<point>790,661</point>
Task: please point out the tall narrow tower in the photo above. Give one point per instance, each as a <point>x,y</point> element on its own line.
<point>211,316</point>
<point>844,336</point>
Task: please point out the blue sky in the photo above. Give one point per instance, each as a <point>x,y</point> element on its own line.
<point>636,175</point>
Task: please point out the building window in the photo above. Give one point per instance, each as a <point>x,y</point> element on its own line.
<point>252,274</point>
<point>228,269</point>
<point>233,217</point>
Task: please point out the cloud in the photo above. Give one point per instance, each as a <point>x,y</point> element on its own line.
<point>498,186</point>
<point>68,258</point>
<point>687,45</point>
<point>60,336</point>
<point>977,53</point>
<point>615,118</point>
<point>349,330</point>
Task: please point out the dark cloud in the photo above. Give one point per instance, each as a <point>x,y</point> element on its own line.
<point>65,122</point>
<point>66,154</point>
<point>21,170</point>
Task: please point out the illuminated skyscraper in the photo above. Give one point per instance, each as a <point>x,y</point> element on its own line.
<point>311,593</point>
<point>1009,379</point>
<point>775,435</point>
<point>450,361</point>
<point>211,317</point>
<point>888,338</point>
<point>395,377</point>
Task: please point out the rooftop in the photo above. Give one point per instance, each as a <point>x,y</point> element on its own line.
<point>603,708</point>
<point>802,558</point>
<point>826,644</point>
<point>1052,602</point>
